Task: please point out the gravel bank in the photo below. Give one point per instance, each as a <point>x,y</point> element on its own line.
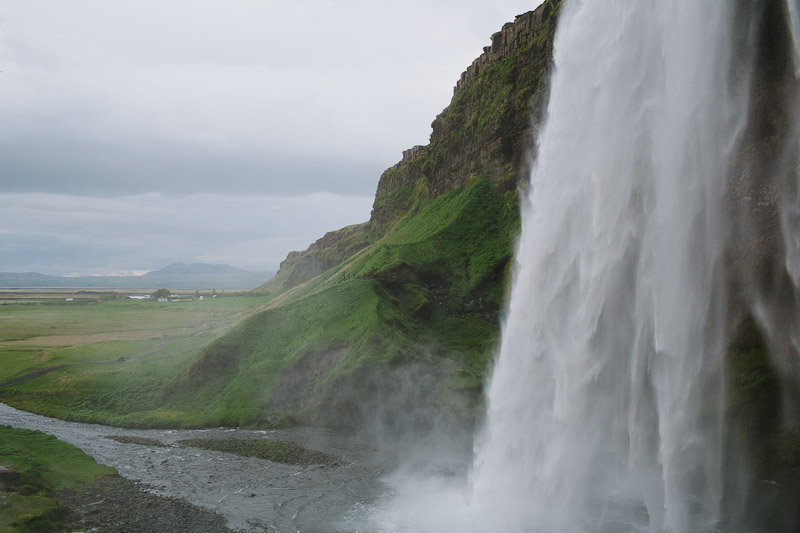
<point>120,505</point>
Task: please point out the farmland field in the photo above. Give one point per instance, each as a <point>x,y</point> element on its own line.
<point>124,353</point>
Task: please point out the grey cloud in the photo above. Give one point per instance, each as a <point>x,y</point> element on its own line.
<point>68,167</point>
<point>136,134</point>
<point>284,98</point>
<point>31,252</point>
<point>60,234</point>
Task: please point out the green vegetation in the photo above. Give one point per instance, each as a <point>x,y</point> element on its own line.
<point>485,131</point>
<point>420,285</point>
<point>464,235</point>
<point>332,249</point>
<point>756,425</point>
<point>231,382</point>
<point>40,466</point>
<point>137,351</point>
<point>428,292</point>
<point>278,451</point>
<point>161,293</point>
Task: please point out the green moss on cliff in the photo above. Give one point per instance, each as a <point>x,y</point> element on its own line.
<point>429,292</point>
<point>487,130</point>
<point>463,239</point>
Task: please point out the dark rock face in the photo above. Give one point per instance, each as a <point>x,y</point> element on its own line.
<point>506,42</point>
<point>488,128</point>
<point>764,173</point>
<point>762,300</point>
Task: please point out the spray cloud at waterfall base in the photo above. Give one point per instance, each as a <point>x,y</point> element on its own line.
<point>660,235</point>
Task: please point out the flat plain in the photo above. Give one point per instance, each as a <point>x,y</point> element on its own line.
<point>116,357</point>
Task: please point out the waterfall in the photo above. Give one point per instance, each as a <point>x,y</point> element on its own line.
<point>604,407</point>
<point>662,220</point>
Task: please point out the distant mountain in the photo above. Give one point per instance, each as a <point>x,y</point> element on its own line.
<point>25,277</point>
<point>174,276</point>
<point>196,269</point>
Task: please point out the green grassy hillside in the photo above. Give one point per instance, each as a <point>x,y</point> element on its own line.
<point>428,293</point>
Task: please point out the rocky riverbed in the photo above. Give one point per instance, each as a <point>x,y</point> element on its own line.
<point>119,505</point>
<point>167,486</point>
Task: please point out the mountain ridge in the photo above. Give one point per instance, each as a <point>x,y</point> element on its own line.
<point>197,269</point>
<point>176,275</point>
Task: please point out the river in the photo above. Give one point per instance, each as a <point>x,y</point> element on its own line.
<point>253,494</point>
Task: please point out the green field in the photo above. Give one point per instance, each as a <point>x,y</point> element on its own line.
<point>43,465</point>
<point>128,354</point>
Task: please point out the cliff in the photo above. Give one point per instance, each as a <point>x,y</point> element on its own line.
<point>400,314</point>
<point>489,127</point>
<point>487,131</point>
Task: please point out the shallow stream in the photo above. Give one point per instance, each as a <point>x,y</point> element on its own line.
<point>253,494</point>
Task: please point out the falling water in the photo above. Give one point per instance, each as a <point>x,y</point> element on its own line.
<point>604,405</point>
<point>794,20</point>
<point>663,209</point>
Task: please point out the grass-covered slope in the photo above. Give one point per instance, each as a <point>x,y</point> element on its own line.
<point>427,295</point>
<point>330,250</point>
<point>33,466</point>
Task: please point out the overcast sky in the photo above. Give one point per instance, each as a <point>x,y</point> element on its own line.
<point>138,134</point>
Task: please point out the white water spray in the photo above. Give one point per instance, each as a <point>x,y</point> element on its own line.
<point>615,335</point>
